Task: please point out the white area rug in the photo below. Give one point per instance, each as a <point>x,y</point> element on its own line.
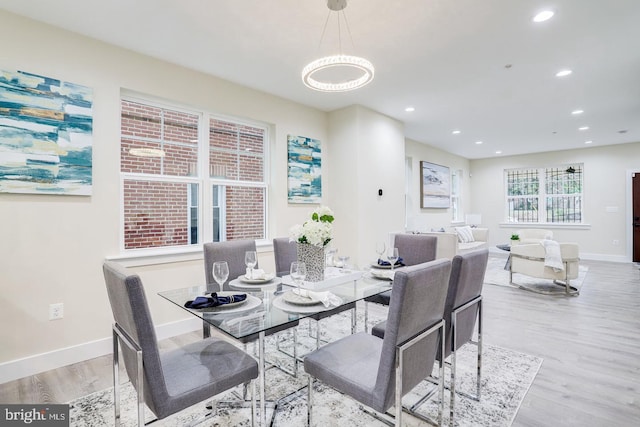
<point>497,275</point>
<point>506,378</point>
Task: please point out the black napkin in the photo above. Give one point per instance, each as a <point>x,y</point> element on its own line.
<point>214,300</point>
<point>399,262</point>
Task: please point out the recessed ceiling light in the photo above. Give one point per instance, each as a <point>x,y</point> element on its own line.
<point>543,16</point>
<point>498,152</point>
<point>583,128</point>
<point>478,142</point>
<point>563,73</point>
<point>456,132</point>
<point>588,142</point>
<point>576,112</point>
<point>410,109</point>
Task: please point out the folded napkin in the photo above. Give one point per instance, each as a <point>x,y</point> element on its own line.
<point>214,300</point>
<point>258,274</point>
<point>326,298</point>
<point>553,257</point>
<point>399,262</point>
<point>382,274</point>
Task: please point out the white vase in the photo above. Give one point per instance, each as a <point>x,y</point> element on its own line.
<point>314,258</point>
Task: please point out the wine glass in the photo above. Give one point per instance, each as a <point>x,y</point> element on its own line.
<point>380,248</point>
<point>220,272</point>
<point>250,259</point>
<point>298,273</point>
<point>343,261</point>
<point>331,257</point>
<point>393,256</point>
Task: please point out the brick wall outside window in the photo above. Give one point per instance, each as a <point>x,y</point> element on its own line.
<point>156,209</point>
<point>155,214</point>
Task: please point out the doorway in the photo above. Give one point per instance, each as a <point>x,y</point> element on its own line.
<point>635,215</point>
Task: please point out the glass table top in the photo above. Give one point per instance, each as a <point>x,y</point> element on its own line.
<point>268,307</point>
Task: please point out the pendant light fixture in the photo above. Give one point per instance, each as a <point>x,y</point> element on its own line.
<point>337,64</point>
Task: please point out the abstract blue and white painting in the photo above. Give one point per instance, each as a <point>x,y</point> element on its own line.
<point>304,169</point>
<point>46,130</point>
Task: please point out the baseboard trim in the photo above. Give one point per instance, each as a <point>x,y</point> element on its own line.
<point>605,257</point>
<point>31,365</point>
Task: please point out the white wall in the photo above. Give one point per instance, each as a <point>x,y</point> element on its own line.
<point>367,155</point>
<point>605,186</point>
<point>425,219</point>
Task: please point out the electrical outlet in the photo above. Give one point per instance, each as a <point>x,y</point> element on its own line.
<point>616,242</point>
<point>56,311</point>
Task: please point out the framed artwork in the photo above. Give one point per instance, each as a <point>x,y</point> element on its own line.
<point>304,169</point>
<point>435,186</point>
<point>45,135</point>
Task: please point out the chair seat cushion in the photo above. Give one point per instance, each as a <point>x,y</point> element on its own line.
<point>203,369</point>
<point>279,328</point>
<point>381,298</point>
<point>349,365</point>
<point>324,314</point>
<point>378,330</point>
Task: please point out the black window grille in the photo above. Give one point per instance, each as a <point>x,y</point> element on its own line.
<point>545,195</point>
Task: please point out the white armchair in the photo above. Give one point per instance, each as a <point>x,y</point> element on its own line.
<point>529,259</point>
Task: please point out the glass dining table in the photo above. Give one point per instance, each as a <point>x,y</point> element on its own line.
<point>269,307</point>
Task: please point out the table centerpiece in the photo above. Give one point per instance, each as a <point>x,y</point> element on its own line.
<point>312,238</point>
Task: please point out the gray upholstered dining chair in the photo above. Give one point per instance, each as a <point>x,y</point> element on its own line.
<point>462,312</point>
<point>167,381</point>
<point>230,251</point>
<point>413,249</point>
<point>285,252</point>
<point>378,372</point>
<point>233,253</point>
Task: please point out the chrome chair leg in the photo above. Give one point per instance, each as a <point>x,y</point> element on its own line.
<point>366,316</point>
<point>309,399</point>
<point>116,380</point>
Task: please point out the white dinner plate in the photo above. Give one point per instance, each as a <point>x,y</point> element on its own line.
<point>293,298</point>
<point>268,277</point>
<point>280,303</point>
<point>384,267</point>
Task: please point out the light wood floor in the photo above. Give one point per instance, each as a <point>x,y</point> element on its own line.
<point>590,345</point>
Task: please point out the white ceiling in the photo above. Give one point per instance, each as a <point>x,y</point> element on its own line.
<point>446,58</point>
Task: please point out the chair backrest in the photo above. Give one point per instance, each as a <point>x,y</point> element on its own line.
<point>416,248</point>
<point>285,252</point>
<point>417,303</point>
<point>465,284</point>
<point>131,313</point>
<point>232,252</point>
<point>533,235</point>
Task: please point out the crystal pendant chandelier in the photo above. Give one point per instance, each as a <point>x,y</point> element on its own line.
<point>337,64</point>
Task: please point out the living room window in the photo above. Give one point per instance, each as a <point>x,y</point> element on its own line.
<point>545,195</point>
<point>456,195</point>
<point>189,177</point>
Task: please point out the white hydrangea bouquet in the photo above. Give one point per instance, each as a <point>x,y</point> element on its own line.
<point>316,231</point>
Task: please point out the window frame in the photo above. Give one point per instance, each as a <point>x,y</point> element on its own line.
<point>541,196</point>
<point>457,214</point>
<point>202,178</point>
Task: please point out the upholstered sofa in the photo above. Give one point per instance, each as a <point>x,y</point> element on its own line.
<point>449,245</point>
